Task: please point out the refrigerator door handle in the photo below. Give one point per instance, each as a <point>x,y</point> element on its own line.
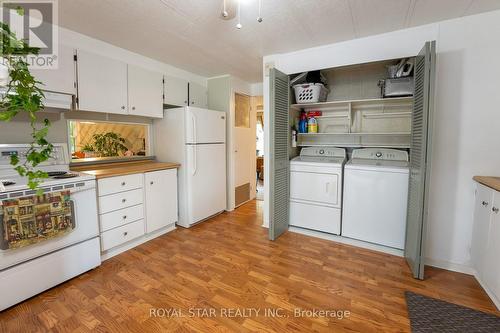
<point>195,134</point>
<point>195,164</point>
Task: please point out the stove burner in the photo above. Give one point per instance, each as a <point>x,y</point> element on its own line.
<point>65,175</point>
<point>56,173</point>
<point>8,183</point>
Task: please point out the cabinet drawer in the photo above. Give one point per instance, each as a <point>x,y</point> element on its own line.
<point>119,184</point>
<point>121,235</point>
<point>112,202</point>
<point>121,217</point>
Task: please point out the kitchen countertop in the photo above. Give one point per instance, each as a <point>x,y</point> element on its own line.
<point>123,168</point>
<point>491,182</point>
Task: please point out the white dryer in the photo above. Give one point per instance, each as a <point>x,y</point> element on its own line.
<point>316,189</point>
<point>376,196</point>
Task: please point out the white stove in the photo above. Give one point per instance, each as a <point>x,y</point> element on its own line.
<point>57,167</point>
<point>52,260</point>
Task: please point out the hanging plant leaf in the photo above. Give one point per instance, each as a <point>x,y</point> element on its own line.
<point>23,94</point>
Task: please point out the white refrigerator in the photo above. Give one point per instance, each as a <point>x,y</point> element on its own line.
<point>195,138</point>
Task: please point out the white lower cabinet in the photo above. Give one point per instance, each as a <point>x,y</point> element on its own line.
<point>134,206</point>
<point>485,249</point>
<point>123,234</point>
<point>160,189</point>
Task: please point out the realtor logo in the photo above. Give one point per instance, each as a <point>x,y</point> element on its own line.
<point>35,22</point>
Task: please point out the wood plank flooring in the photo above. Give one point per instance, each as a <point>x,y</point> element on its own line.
<point>227,264</point>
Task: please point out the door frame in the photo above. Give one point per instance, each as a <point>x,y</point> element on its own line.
<point>231,158</point>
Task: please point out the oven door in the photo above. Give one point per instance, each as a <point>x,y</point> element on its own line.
<point>83,195</point>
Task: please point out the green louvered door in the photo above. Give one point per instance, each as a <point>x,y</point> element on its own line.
<point>420,153</point>
<point>279,165</point>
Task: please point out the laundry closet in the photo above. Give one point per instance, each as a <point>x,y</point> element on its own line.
<point>350,151</point>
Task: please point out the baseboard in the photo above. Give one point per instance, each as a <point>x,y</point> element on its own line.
<point>449,266</point>
<point>184,225</point>
<point>490,294</point>
<point>348,241</point>
<point>136,242</point>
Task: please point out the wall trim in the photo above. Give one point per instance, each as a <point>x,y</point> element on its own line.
<point>450,266</point>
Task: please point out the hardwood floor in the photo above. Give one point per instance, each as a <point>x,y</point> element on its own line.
<point>228,263</point>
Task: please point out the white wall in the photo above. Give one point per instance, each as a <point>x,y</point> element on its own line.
<point>466,136</point>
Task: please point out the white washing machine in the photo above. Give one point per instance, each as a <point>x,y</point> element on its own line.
<point>316,189</point>
<point>376,196</point>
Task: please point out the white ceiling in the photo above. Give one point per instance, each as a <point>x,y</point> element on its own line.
<point>189,34</point>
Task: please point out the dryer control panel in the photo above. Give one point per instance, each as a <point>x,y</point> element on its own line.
<point>323,152</point>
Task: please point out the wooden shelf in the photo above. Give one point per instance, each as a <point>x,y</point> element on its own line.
<point>330,104</point>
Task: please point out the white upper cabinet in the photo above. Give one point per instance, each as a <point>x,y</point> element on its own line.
<point>62,79</point>
<point>175,91</point>
<point>102,84</point>
<point>198,95</point>
<point>145,92</point>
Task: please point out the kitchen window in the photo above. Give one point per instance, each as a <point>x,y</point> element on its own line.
<point>96,140</point>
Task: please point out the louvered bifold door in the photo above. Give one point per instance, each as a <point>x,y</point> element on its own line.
<point>420,159</point>
<point>279,164</point>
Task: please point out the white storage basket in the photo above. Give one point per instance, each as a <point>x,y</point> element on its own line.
<point>310,93</point>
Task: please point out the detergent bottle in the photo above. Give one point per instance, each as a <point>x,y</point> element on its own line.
<point>312,125</point>
<point>303,123</point>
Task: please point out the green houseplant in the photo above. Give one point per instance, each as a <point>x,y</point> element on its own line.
<point>23,94</point>
<point>108,144</point>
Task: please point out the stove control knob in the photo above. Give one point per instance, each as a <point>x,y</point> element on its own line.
<point>378,154</point>
<point>321,152</point>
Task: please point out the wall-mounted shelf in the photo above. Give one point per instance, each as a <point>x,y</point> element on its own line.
<point>355,102</point>
<point>395,140</point>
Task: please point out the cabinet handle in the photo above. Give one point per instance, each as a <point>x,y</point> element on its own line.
<point>133,108</point>
<point>123,183</point>
<point>125,233</point>
<point>123,107</point>
<point>124,200</point>
<point>124,217</point>
<point>484,203</point>
<point>151,183</point>
<point>185,102</point>
<point>495,210</point>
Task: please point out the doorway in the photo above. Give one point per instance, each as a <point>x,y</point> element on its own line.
<point>244,149</point>
<point>258,105</point>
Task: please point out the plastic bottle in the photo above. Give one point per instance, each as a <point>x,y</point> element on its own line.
<point>303,123</point>
<point>312,125</point>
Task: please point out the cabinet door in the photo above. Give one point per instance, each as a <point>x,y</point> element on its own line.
<point>198,95</point>
<point>61,79</point>
<point>145,92</point>
<point>161,199</point>
<point>102,84</point>
<point>482,213</point>
<point>175,91</point>
<point>492,263</point>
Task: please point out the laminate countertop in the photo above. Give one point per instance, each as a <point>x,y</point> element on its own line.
<point>491,182</point>
<point>123,168</point>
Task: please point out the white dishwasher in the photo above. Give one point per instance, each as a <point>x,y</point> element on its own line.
<point>376,196</point>
<point>316,189</point>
